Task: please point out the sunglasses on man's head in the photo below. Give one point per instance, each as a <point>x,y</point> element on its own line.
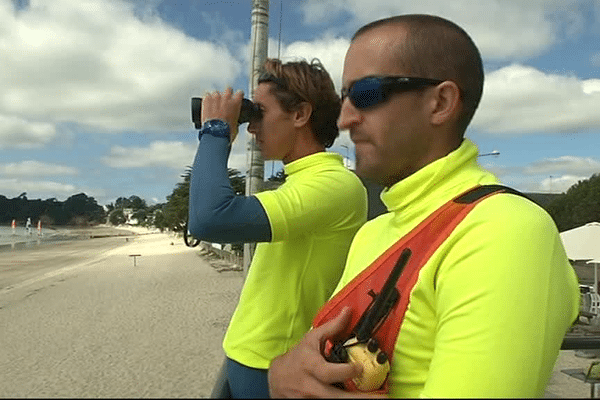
<point>373,90</point>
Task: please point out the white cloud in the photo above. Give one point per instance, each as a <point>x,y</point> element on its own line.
<point>174,155</point>
<point>95,62</point>
<point>542,184</point>
<point>37,189</point>
<point>591,86</point>
<point>564,164</point>
<point>31,168</point>
<point>518,99</point>
<point>317,11</point>
<point>560,184</point>
<point>19,133</point>
<point>555,175</point>
<point>329,50</point>
<point>502,29</point>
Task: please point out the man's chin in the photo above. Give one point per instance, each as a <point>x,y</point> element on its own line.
<point>369,174</point>
<point>362,171</point>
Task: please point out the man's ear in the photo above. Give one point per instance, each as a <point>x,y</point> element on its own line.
<point>302,114</point>
<point>446,103</point>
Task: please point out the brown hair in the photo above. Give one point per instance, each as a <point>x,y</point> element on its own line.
<point>297,82</point>
<point>439,49</point>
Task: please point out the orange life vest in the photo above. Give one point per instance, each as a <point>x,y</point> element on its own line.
<point>423,241</point>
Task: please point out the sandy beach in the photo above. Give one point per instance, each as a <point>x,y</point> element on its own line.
<point>79,320</point>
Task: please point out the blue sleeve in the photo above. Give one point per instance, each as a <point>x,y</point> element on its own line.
<point>216,213</point>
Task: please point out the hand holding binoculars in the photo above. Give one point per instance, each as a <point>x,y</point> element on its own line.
<point>361,347</point>
<point>249,111</point>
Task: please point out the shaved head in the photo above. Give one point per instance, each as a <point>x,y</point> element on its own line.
<point>438,49</point>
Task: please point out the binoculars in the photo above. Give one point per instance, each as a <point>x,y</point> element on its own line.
<point>249,112</point>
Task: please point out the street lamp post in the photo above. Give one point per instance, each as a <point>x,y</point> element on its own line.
<point>493,153</point>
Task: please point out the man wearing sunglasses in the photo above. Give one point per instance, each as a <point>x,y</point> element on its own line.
<point>490,307</point>
<point>304,227</point>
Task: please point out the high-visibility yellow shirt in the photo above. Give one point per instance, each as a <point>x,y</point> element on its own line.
<point>313,216</point>
<point>490,308</point>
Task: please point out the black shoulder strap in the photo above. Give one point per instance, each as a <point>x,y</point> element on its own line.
<point>482,191</point>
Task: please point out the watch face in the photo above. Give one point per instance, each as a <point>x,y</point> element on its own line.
<point>217,127</point>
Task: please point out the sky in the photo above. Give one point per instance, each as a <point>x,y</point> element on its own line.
<point>95,94</point>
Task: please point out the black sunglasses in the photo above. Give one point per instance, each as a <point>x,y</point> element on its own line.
<point>373,90</point>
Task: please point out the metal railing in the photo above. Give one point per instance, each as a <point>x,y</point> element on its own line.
<point>580,343</point>
<point>222,254</point>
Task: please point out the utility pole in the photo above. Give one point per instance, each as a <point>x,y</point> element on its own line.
<point>259,39</point>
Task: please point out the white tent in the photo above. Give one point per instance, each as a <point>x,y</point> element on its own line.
<point>583,243</point>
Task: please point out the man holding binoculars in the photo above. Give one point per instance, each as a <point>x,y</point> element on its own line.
<point>304,227</point>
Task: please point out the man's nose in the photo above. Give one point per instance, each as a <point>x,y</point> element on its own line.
<point>349,115</point>
<point>253,127</point>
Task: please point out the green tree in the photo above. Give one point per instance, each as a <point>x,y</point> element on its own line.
<point>117,217</point>
<point>176,209</point>
<point>140,215</point>
<point>120,203</point>
<point>578,206</point>
<point>159,220</point>
<point>136,203</point>
<point>133,202</point>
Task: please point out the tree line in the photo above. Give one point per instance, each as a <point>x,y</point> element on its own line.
<point>576,207</point>
<point>78,209</point>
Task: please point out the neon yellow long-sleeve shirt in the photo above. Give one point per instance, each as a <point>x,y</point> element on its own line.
<point>313,216</point>
<point>489,311</point>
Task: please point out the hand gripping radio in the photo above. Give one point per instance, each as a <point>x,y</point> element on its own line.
<point>361,347</point>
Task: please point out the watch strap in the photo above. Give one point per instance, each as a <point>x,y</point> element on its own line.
<point>215,127</point>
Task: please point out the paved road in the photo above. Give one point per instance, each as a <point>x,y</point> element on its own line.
<point>107,329</point>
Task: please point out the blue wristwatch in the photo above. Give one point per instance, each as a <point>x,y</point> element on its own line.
<point>215,127</point>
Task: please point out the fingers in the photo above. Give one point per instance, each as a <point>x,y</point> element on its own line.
<point>330,373</point>
<point>304,372</point>
<point>224,106</point>
<point>291,375</point>
<point>334,327</point>
<point>333,372</point>
<point>237,99</point>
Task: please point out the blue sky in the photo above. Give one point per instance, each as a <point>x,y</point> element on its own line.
<point>96,93</point>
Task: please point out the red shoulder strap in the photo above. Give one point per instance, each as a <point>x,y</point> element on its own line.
<point>423,241</point>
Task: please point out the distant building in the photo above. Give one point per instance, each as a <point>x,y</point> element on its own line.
<point>128,212</point>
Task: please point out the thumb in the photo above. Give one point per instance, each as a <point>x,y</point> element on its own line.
<point>335,326</point>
